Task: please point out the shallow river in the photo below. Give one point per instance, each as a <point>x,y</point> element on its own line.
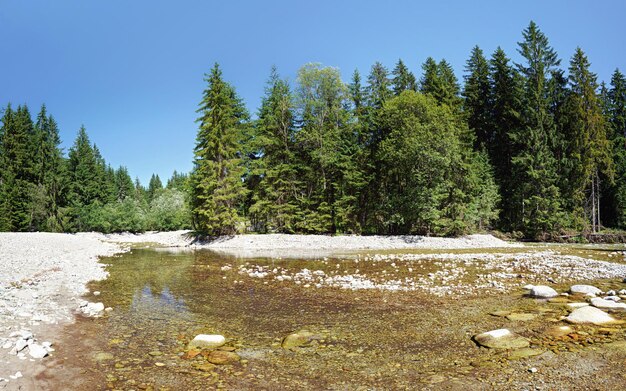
<point>381,338</point>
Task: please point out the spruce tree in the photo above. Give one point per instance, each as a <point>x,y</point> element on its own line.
<point>403,79</point>
<point>154,186</point>
<point>477,103</point>
<point>588,146</point>
<point>616,105</point>
<point>124,185</point>
<point>275,202</point>
<point>217,188</point>
<point>85,184</point>
<point>506,107</point>
<point>537,197</point>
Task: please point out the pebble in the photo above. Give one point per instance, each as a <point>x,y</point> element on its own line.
<point>532,370</point>
<point>543,292</point>
<point>589,315</point>
<point>37,351</point>
<point>585,290</point>
<point>207,341</point>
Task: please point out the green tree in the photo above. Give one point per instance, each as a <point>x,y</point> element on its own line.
<point>275,202</point>
<point>217,187</point>
<point>328,146</point>
<point>85,184</point>
<point>154,186</point>
<point>477,104</point>
<point>403,79</point>
<point>616,113</point>
<point>506,117</point>
<point>124,185</point>
<point>537,196</point>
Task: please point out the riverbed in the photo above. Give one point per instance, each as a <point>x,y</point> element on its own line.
<point>376,320</point>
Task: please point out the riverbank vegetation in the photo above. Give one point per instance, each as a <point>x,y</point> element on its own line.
<point>529,148</point>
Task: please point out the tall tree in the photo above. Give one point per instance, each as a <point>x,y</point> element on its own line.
<point>506,102</point>
<point>477,103</point>
<point>154,186</point>
<point>588,145</point>
<point>328,145</point>
<point>217,187</point>
<point>403,79</point>
<point>275,203</point>
<point>85,187</point>
<point>536,192</point>
<point>124,185</point>
<point>440,82</point>
<point>616,112</point>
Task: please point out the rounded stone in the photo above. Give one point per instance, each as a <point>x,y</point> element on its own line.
<point>501,339</point>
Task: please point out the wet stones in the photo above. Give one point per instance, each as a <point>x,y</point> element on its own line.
<point>518,317</point>
<point>221,357</point>
<point>501,339</point>
<point>543,292</point>
<point>207,341</point>
<point>299,339</point>
<point>559,331</point>
<point>589,315</point>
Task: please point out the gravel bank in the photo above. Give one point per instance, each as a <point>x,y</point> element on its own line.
<point>42,276</point>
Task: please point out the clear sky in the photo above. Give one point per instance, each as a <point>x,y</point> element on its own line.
<point>132,71</point>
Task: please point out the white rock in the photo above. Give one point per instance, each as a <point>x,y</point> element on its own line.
<point>611,293</point>
<point>607,304</point>
<point>92,309</point>
<point>532,370</point>
<point>7,345</point>
<point>37,351</point>
<point>96,293</point>
<point>585,290</point>
<point>543,292</point>
<point>622,292</point>
<point>613,298</point>
<point>207,341</point>
<point>528,287</point>
<point>589,314</point>
<point>20,345</point>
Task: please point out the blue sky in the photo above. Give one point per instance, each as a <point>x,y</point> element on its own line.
<point>132,71</point>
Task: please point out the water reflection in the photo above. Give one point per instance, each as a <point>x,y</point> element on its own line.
<point>147,301</point>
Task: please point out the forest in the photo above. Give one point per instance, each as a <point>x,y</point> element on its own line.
<point>536,149</point>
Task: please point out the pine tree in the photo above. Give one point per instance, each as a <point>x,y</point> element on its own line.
<point>506,102</point>
<point>616,104</point>
<point>536,193</point>
<point>178,181</point>
<point>124,185</point>
<point>85,184</point>
<point>440,82</point>
<point>477,103</point>
<point>217,188</point>
<point>18,173</point>
<point>378,86</point>
<point>403,79</point>
<point>588,145</point>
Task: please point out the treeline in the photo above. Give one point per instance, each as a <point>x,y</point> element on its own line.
<point>522,147</point>
<point>41,189</point>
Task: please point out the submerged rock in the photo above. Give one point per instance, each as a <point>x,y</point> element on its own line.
<point>501,339</point>
<point>521,317</point>
<point>207,341</point>
<point>559,331</point>
<point>92,309</point>
<point>220,357</point>
<point>299,339</point>
<point>543,292</point>
<point>589,315</point>
<point>524,353</point>
<point>588,290</point>
<point>607,304</point>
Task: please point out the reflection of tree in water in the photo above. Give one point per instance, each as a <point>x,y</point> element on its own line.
<point>163,302</point>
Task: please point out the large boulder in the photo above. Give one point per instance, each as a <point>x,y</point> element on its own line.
<point>607,304</point>
<point>501,339</point>
<point>587,290</point>
<point>543,292</point>
<point>590,315</point>
<point>207,341</point>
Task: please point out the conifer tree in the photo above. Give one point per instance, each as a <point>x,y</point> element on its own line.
<point>275,203</point>
<point>588,145</point>
<point>217,188</point>
<point>154,186</point>
<point>616,105</point>
<point>477,103</point>
<point>124,185</point>
<point>506,102</point>
<point>403,79</point>
<point>538,200</point>
<point>85,186</point>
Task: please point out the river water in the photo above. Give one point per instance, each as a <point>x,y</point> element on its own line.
<point>387,337</point>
